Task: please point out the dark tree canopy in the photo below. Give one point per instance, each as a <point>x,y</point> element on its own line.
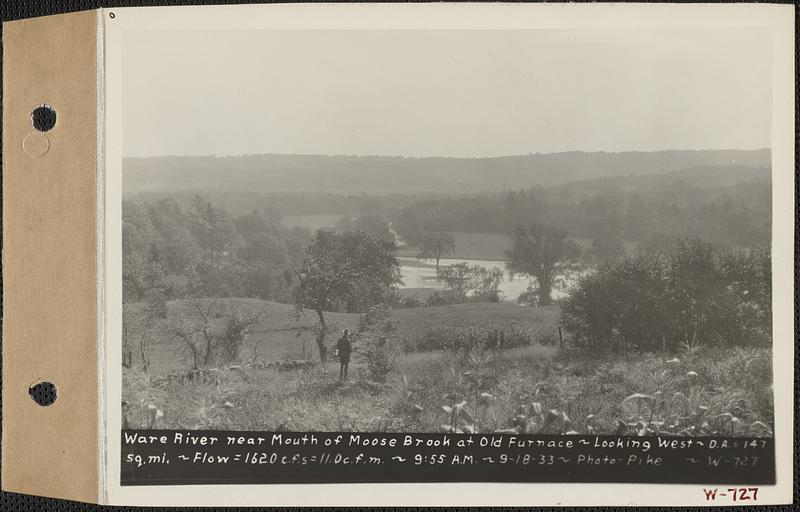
<point>194,249</point>
<point>374,224</point>
<point>436,246</point>
<point>543,253</point>
<point>693,296</point>
<point>339,268</point>
<point>728,206</point>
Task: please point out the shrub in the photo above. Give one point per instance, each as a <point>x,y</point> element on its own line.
<point>470,283</point>
<point>443,298</point>
<point>376,315</point>
<point>695,295</point>
<point>380,359</point>
<point>412,302</point>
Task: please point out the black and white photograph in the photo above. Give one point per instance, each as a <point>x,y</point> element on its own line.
<point>457,231</point>
<point>398,254</point>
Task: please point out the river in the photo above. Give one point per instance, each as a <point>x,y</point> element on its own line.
<point>422,274</point>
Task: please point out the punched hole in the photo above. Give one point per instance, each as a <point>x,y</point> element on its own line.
<point>43,118</point>
<point>43,393</point>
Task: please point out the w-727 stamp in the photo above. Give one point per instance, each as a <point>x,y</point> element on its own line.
<point>733,493</point>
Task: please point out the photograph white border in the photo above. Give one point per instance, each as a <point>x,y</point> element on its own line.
<point>779,19</point>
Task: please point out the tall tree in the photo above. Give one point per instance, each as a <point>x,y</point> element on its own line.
<point>337,267</point>
<point>212,228</point>
<point>543,253</point>
<point>436,246</point>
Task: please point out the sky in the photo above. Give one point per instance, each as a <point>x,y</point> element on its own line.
<point>461,93</point>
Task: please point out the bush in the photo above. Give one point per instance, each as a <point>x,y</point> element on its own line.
<point>412,302</point>
<point>444,298</point>
<point>470,283</point>
<point>376,315</point>
<point>694,295</point>
<point>380,359</point>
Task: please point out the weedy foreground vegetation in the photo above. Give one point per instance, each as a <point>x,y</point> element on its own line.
<point>526,385</point>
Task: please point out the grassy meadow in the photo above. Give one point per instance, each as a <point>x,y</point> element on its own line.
<point>427,383</point>
<point>280,334</point>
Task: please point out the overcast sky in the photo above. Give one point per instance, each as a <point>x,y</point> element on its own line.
<point>447,93</point>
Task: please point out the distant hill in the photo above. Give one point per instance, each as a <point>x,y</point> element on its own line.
<point>404,175</point>
<point>703,177</point>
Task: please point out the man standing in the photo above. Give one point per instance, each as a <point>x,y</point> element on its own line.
<point>343,349</point>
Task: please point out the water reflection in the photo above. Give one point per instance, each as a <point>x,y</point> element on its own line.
<point>422,274</point>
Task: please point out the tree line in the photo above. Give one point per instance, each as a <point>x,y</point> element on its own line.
<point>202,251</point>
<point>732,215</point>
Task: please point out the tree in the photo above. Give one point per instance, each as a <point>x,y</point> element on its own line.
<point>465,283</point>
<point>608,249</point>
<point>622,305</point>
<point>657,243</point>
<point>604,220</point>
<point>250,225</point>
<point>140,272</point>
<point>266,248</point>
<point>543,253</point>
<point>337,267</point>
<point>216,335</point>
<point>374,224</point>
<point>137,330</point>
<point>213,230</point>
<point>174,248</point>
<point>436,246</point>
<point>409,226</point>
<point>695,295</point>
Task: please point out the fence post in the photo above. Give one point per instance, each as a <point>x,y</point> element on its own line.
<point>560,337</point>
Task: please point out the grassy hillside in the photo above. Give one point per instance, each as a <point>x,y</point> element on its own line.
<point>280,335</point>
<point>513,390</point>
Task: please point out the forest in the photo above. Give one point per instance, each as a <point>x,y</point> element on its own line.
<point>183,245</point>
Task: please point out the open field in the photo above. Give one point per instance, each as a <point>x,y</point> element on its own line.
<point>280,335</point>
